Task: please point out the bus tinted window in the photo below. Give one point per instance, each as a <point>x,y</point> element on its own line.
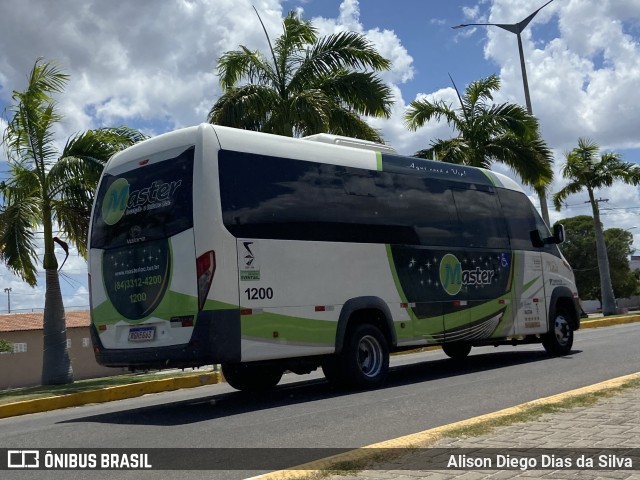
<point>144,204</point>
<point>519,214</point>
<point>481,221</point>
<point>267,197</point>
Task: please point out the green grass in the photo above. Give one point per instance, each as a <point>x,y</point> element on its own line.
<point>31,393</point>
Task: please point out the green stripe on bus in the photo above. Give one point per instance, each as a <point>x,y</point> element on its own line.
<point>279,328</point>
<point>492,178</point>
<point>379,161</point>
<point>172,304</point>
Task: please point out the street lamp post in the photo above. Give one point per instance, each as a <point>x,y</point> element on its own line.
<point>8,292</point>
<point>518,28</point>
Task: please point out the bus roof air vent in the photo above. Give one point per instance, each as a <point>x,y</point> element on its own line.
<point>350,142</point>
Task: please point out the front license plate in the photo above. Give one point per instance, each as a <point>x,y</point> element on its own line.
<point>142,334</point>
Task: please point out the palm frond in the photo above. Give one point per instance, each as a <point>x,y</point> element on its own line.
<point>362,92</point>
<point>247,107</point>
<point>29,134</point>
<point>480,91</point>
<point>307,112</point>
<point>244,63</point>
<point>512,118</point>
<point>345,50</point>
<point>297,34</point>
<point>71,212</point>
<point>531,160</point>
<point>569,189</point>
<point>453,150</point>
<point>422,111</point>
<point>17,244</point>
<point>100,144</point>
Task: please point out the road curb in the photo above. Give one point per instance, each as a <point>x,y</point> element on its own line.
<point>428,437</point>
<point>608,321</point>
<point>107,394</point>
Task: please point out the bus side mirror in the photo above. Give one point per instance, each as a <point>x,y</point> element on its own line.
<point>558,237</point>
<point>536,239</point>
<point>558,233</point>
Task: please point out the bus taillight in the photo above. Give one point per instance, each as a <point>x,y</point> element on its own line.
<point>205,268</point>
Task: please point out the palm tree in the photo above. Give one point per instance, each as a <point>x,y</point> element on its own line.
<point>583,169</point>
<point>487,133</point>
<point>50,190</point>
<point>308,85</point>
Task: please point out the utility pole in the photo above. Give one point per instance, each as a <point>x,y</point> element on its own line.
<point>8,292</point>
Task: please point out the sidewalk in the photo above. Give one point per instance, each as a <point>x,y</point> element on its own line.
<point>605,428</point>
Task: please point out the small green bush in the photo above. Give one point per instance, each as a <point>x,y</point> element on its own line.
<point>5,346</point>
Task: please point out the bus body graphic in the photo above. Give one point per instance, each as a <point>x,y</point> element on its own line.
<point>265,254</point>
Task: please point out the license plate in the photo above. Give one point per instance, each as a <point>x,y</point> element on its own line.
<point>142,334</point>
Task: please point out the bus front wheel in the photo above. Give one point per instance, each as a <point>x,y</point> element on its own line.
<point>251,378</point>
<point>559,339</point>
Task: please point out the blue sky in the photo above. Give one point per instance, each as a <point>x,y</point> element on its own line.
<point>151,65</point>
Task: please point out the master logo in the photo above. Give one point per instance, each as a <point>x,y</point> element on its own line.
<point>451,274</point>
<point>115,201</point>
<point>452,277</point>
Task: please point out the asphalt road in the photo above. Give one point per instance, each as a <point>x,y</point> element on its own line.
<point>423,391</point>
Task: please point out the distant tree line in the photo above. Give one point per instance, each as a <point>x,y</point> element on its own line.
<point>580,251</point>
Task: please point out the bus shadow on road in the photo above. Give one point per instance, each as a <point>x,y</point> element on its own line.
<point>228,404</point>
<point>424,371</point>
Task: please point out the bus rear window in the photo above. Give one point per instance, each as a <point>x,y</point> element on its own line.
<point>144,204</point>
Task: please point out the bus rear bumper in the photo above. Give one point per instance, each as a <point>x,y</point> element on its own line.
<point>215,339</point>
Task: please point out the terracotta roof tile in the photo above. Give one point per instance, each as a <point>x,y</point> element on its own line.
<point>33,321</point>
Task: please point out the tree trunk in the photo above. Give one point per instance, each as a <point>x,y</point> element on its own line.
<point>56,365</point>
<point>544,208</point>
<point>606,288</point>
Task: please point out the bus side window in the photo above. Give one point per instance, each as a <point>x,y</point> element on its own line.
<point>521,221</point>
<point>481,221</point>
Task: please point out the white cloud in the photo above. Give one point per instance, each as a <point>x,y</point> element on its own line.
<point>582,80</point>
<point>125,65</point>
<point>385,41</point>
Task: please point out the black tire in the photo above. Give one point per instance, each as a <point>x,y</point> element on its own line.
<point>332,371</point>
<point>456,350</point>
<point>364,361</point>
<point>251,378</point>
<point>558,340</point>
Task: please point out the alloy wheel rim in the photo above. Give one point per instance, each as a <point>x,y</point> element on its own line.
<point>369,356</point>
<point>562,330</point>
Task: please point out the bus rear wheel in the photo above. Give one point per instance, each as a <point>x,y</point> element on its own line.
<point>364,361</point>
<point>559,340</point>
<point>251,378</point>
<point>456,350</point>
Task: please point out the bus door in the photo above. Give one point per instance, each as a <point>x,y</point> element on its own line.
<point>530,295</point>
<point>483,306</point>
<point>478,278</point>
